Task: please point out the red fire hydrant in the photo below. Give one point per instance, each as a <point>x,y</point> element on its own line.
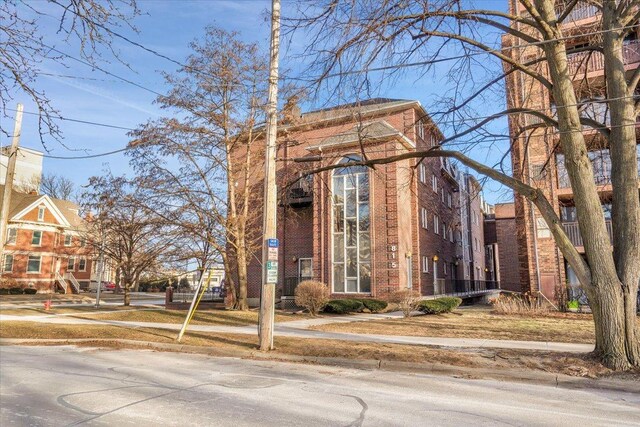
<point>47,305</point>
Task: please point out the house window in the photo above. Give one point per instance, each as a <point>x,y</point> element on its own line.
<point>423,173</point>
<point>68,239</point>
<point>420,127</point>
<point>444,268</point>
<point>71,263</point>
<point>305,268</point>
<point>33,264</point>
<point>425,264</point>
<point>41,213</point>
<point>424,218</point>
<point>475,244</point>
<point>434,183</point>
<point>451,237</point>
<point>83,242</point>
<point>7,266</point>
<point>12,235</point>
<point>449,199</point>
<point>442,195</point>
<point>436,224</point>
<point>544,232</point>
<point>444,230</point>
<point>82,264</point>
<point>36,239</point>
<point>351,224</point>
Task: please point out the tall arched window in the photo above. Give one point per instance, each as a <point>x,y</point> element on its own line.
<point>351,229</point>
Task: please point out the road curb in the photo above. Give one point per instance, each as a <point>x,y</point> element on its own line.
<point>532,377</point>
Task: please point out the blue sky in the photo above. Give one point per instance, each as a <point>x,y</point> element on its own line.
<point>167,26</point>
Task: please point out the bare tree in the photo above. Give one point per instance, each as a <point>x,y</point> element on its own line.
<point>349,38</point>
<point>132,237</point>
<point>25,51</point>
<point>57,186</point>
<point>197,162</point>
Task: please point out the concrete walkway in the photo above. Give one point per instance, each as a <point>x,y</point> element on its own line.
<point>298,329</point>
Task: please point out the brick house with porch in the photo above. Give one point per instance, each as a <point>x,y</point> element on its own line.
<point>366,232</point>
<point>44,247</point>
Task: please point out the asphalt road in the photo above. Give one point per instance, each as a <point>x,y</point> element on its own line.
<point>56,386</point>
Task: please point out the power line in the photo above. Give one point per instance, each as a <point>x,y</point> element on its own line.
<point>89,156</point>
<point>87,122</point>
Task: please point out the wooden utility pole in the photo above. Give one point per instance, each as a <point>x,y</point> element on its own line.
<point>270,243</point>
<point>8,183</point>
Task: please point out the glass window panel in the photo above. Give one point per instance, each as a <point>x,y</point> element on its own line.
<point>71,263</point>
<point>365,277</point>
<point>338,247</point>
<point>338,277</point>
<point>352,285</point>
<point>364,217</point>
<point>33,265</point>
<point>338,218</point>
<point>352,232</point>
<point>37,236</point>
<point>306,267</point>
<point>350,181</point>
<point>350,203</point>
<point>8,263</point>
<point>363,187</point>
<point>338,189</point>
<point>365,246</point>
<point>352,263</point>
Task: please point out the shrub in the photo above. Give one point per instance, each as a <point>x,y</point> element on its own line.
<point>407,300</point>
<point>527,304</point>
<point>344,306</point>
<point>374,305</point>
<point>30,291</point>
<point>439,305</point>
<point>312,295</point>
<point>15,291</point>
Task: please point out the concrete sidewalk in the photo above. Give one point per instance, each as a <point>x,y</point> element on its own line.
<point>296,329</point>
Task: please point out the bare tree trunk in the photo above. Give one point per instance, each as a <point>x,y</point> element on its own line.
<point>127,294</point>
<point>241,255</point>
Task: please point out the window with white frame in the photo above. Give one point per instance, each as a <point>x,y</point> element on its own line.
<point>36,238</point>
<point>423,173</point>
<point>82,264</point>
<point>442,195</point>
<point>434,183</point>
<point>425,264</point>
<point>71,264</point>
<point>12,235</point>
<point>420,127</point>
<point>449,199</point>
<point>436,224</point>
<point>424,218</point>
<point>475,244</point>
<point>41,213</point>
<point>68,239</point>
<point>33,264</point>
<point>351,228</point>
<point>451,236</point>
<point>444,268</point>
<point>444,230</point>
<point>7,265</point>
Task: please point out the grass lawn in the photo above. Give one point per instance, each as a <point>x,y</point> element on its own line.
<point>480,323</point>
<point>133,314</point>
<point>245,345</point>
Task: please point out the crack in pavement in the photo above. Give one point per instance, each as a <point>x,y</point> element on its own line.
<point>358,421</point>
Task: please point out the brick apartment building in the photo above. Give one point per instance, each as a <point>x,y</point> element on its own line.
<point>44,248</point>
<point>537,161</point>
<point>502,237</point>
<point>369,231</point>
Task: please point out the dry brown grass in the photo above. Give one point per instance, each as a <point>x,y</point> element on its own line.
<point>131,314</point>
<point>245,345</point>
<point>480,323</point>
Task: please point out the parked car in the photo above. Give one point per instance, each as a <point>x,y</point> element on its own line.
<point>105,286</point>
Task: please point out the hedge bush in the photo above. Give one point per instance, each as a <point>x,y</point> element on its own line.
<point>312,295</point>
<point>439,305</point>
<point>344,306</point>
<point>374,305</point>
<point>30,291</point>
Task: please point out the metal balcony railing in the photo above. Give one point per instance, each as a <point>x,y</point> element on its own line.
<point>463,287</point>
<point>573,232</point>
<point>586,62</point>
<point>582,10</point>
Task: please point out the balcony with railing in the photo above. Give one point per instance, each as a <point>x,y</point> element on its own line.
<point>300,193</point>
<point>601,162</point>
<point>573,232</point>
<point>592,62</point>
<point>581,10</point>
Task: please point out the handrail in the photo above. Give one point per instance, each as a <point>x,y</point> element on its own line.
<point>74,281</point>
<point>62,282</point>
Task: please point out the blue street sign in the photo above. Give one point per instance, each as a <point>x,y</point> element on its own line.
<point>272,243</point>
